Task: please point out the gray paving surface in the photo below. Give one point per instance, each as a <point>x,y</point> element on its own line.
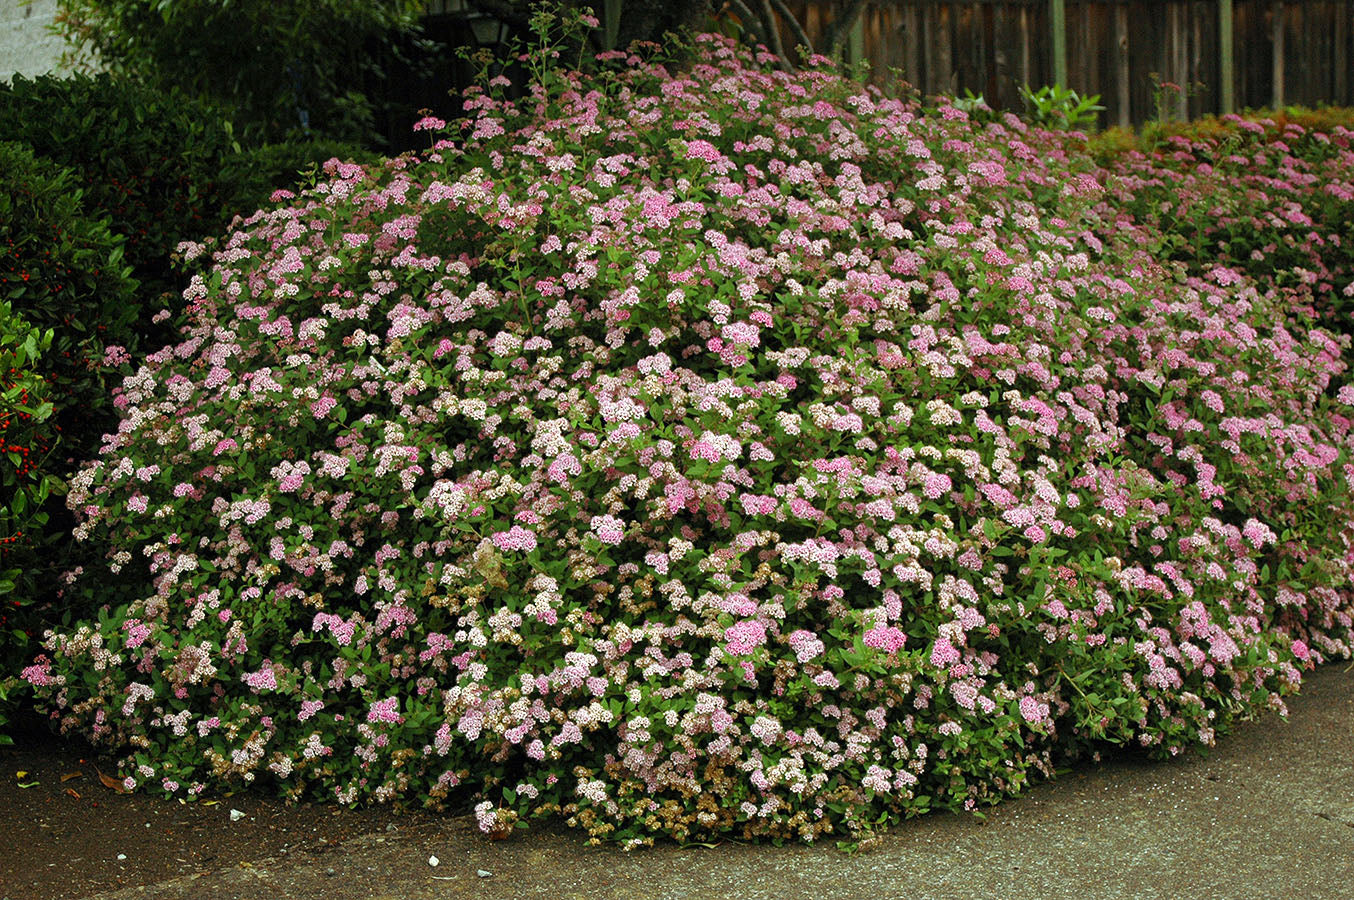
<point>1269,813</point>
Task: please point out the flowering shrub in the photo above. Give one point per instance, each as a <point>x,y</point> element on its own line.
<point>26,438</point>
<point>1269,197</point>
<point>62,280</point>
<point>153,162</point>
<point>161,166</point>
<point>724,451</point>
<point>62,269</point>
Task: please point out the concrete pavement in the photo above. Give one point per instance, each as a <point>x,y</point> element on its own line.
<point>1269,813</point>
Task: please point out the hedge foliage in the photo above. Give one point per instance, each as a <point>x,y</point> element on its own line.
<point>706,452</point>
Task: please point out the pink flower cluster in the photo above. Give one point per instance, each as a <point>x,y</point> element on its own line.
<point>716,450</point>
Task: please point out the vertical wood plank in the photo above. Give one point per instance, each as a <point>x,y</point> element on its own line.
<point>1250,37</point>
<point>1002,98</point>
<point>1196,52</point>
<point>1340,55</point>
<point>1093,42</point>
<point>1226,60</point>
<point>1277,57</point>
<point>912,45</point>
<point>1236,49</point>
<point>1078,59</point>
<point>1026,78</point>
<point>1121,68</point>
<point>928,44</point>
<point>982,54</point>
<point>944,82</point>
<point>991,84</point>
<point>855,42</point>
<point>1161,60</point>
<point>1057,14</point>
<point>1180,61</point>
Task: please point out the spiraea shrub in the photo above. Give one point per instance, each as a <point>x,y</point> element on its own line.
<point>160,166</point>
<point>1271,195</point>
<point>722,451</point>
<point>27,439</point>
<point>68,309</point>
<point>154,163</point>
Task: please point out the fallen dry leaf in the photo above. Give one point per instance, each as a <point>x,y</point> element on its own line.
<point>112,783</point>
<point>21,773</point>
<point>69,775</point>
<point>72,792</point>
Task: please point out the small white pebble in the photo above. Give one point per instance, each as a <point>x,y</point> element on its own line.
<point>483,873</point>
<point>122,856</point>
<point>433,860</point>
<point>236,815</point>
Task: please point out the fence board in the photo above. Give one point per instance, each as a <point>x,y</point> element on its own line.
<point>1340,52</point>
<point>991,47</point>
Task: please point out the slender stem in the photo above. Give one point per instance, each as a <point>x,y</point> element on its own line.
<point>773,31</point>
<point>751,23</point>
<point>841,29</point>
<point>800,34</point>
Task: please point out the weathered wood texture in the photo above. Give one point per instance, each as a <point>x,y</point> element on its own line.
<point>991,47</point>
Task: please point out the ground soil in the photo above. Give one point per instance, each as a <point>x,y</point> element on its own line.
<point>1268,813</point>
<point>64,834</point>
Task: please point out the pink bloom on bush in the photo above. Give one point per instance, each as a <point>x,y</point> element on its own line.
<point>137,633</point>
<point>563,466</point>
<point>806,645</point>
<point>743,637</point>
<point>886,638</point>
<point>744,334</point>
<point>1258,533</point>
<point>262,680</point>
<point>609,529</point>
<point>943,653</point>
<point>40,673</point>
<point>706,151</point>
<point>515,538</point>
<point>1032,710</point>
<point>936,485</point>
<point>385,711</point>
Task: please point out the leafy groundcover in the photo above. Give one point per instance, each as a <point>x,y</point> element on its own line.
<point>707,451</point>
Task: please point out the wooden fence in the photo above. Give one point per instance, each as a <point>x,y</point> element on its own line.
<point>1283,51</point>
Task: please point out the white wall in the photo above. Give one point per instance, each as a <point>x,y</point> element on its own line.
<point>26,47</point>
